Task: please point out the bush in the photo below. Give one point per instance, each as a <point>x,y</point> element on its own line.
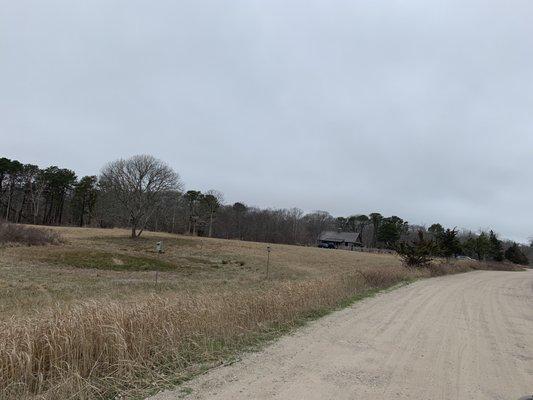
<point>447,268</point>
<point>13,233</point>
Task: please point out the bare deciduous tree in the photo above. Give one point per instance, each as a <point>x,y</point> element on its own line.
<point>138,184</point>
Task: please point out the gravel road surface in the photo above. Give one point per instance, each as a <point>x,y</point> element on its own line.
<point>467,336</point>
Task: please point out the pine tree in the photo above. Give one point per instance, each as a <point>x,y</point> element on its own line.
<point>416,254</point>
<point>448,243</point>
<point>390,230</point>
<point>515,255</point>
<point>84,199</point>
<point>479,246</point>
<point>495,247</point>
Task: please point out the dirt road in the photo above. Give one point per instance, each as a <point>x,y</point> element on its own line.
<point>467,336</point>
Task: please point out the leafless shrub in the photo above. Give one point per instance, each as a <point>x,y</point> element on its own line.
<point>447,268</point>
<point>31,236</point>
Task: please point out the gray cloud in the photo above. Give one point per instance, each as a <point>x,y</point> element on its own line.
<point>419,108</point>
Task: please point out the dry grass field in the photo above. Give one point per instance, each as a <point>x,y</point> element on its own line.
<point>106,264</point>
<point>103,316</point>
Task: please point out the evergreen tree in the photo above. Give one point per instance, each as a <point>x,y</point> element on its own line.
<point>448,244</point>
<point>436,230</point>
<point>390,230</point>
<point>418,253</point>
<point>376,219</point>
<point>515,255</point>
<point>239,210</point>
<point>495,247</point>
<point>84,199</point>
<point>59,181</point>
<point>478,246</point>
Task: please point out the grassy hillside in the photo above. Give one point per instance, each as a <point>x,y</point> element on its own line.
<point>98,263</point>
<point>101,314</point>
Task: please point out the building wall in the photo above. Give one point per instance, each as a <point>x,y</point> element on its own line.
<point>341,246</point>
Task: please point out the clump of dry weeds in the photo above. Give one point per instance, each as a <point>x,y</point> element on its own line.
<point>27,235</point>
<point>456,267</point>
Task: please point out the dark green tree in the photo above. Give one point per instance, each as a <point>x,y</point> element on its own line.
<point>239,209</point>
<point>375,219</point>
<point>28,179</point>
<point>495,247</point>
<point>59,181</point>
<point>390,231</point>
<point>84,199</point>
<point>478,246</point>
<point>436,230</point>
<point>515,255</point>
<point>417,254</point>
<point>447,243</point>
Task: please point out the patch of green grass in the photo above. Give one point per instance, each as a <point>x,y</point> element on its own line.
<point>107,260</point>
<point>145,241</point>
<point>198,260</point>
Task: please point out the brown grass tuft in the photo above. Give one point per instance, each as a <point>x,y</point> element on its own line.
<point>26,235</point>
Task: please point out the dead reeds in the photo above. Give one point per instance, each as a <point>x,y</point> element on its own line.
<point>94,349</point>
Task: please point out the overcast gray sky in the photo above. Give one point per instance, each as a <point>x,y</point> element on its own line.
<point>420,108</point>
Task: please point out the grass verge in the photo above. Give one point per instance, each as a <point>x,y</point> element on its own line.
<point>101,349</point>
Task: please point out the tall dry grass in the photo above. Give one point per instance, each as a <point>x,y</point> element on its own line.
<point>27,235</point>
<point>95,349</point>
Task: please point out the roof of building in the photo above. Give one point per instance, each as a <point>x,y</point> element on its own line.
<point>332,236</point>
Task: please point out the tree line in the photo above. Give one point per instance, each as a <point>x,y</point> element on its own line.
<point>447,243</point>
<point>143,192</point>
<point>49,196</point>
